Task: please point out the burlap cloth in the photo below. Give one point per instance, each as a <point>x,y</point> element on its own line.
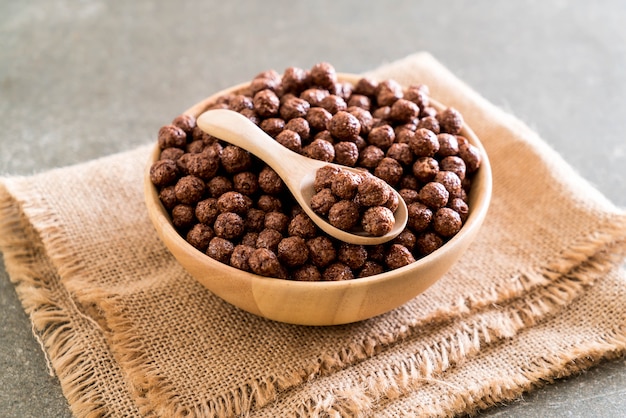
<point>538,296</point>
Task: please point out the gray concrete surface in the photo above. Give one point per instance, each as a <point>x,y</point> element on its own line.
<point>83,79</point>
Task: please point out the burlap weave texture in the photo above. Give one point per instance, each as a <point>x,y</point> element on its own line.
<point>129,333</point>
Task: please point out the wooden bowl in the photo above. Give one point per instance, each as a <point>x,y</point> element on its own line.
<point>320,303</point>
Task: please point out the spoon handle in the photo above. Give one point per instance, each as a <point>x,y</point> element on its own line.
<point>238,130</point>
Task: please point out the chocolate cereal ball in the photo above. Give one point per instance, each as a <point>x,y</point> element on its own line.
<point>406,238</point>
<point>336,272</point>
<point>185,122</point>
<point>389,170</point>
<point>428,242</point>
<point>324,177</point>
<point>346,153</point>
<point>408,181</point>
<point>322,201</point>
<point>232,202</point>
<point>401,152</point>
<point>302,226</point>
<point>246,183</point>
<point>370,268</point>
<point>189,189</point>
<point>295,80</point>
<point>409,195</point>
<point>448,145</point>
<point>447,222</point>
<point>183,216</point>
<point>220,249</point>
<point>326,136</point>
<point>270,182</point>
<point>371,156</point>
<point>264,263</point>
<point>419,216</point>
<point>352,255</point>
<point>345,183</point>
<point>459,206</point>
<point>240,102</point>
<point>219,185</point>
<point>195,147</point>
<point>377,221</point>
<point>424,143</point>
<point>272,126</point>
<point>398,256</point>
<point>344,215</point>
<point>344,126</point>
<point>387,92</point>
<point>268,203</point>
<point>229,225</point>
<point>307,273</point>
<point>249,239</point>
<point>470,155</point>
<point>321,150</point>
<point>323,75</point>
<point>301,127</point>
<point>418,94</point>
<point>206,211</point>
<point>290,139</point>
<point>201,165</point>
<point>376,252</point>
<point>429,122</point>
<point>163,172</point>
<point>293,251</point>
<point>404,111</point>
<point>314,96</point>
<point>366,86</point>
<point>381,115</point>
<point>425,169</point>
<point>254,220</point>
<point>450,181</point>
<point>171,154</point>
<point>454,164</point>
<point>266,103</point>
<point>235,159</point>
<point>381,136</point>
<point>450,121</point>
<point>199,236</point>
<point>252,115</point>
<point>294,108</point>
<point>240,256</point>
<point>372,191</point>
<point>172,136</point>
<point>363,116</point>
<point>276,220</point>
<point>167,196</point>
<point>434,195</point>
<point>318,118</point>
<point>333,103</point>
<point>269,238</point>
<point>322,252</point>
<point>393,202</point>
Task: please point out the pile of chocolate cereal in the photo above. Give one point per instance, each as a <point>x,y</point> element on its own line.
<point>233,207</point>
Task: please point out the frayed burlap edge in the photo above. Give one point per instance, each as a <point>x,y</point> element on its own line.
<point>429,364</point>
<point>49,306</point>
<point>535,296</point>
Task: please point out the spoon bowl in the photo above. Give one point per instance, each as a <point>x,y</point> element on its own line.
<point>296,171</point>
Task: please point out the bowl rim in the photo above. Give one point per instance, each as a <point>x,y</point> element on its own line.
<point>477,211</point>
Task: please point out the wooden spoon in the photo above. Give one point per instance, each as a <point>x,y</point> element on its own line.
<point>296,171</point>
